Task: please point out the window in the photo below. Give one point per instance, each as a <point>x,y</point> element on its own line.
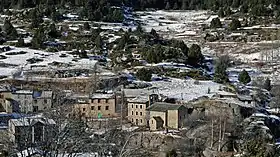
<point>92,100</point>
<point>141,106</point>
<point>140,113</point>
<point>131,119</point>
<point>92,107</point>
<point>107,108</point>
<point>45,101</point>
<point>98,100</point>
<point>152,121</point>
<point>107,100</point>
<point>132,106</point>
<point>136,113</point>
<point>35,101</point>
<point>84,109</point>
<point>131,112</point>
<point>99,107</point>
<point>141,121</point>
<point>136,106</point>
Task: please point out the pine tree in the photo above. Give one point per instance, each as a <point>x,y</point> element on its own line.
<point>53,33</point>
<point>244,77</point>
<point>36,18</point>
<point>175,7</point>
<point>167,6</point>
<point>98,42</point>
<point>221,66</point>
<point>221,12</point>
<point>267,84</point>
<point>39,38</point>
<point>194,55</point>
<point>235,23</point>
<point>216,23</point>
<point>11,32</point>
<point>144,74</point>
<point>20,43</point>
<point>86,26</point>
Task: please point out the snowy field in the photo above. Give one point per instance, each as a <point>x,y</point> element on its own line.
<point>20,61</point>
<point>179,23</point>
<point>186,90</point>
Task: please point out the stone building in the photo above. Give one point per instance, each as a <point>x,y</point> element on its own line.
<point>166,115</point>
<point>97,106</point>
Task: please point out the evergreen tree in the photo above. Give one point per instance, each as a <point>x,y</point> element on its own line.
<point>139,29</point>
<point>36,18</point>
<point>98,42</point>
<point>184,5</point>
<point>20,43</point>
<point>86,26</point>
<point>216,23</point>
<point>11,32</point>
<point>221,12</point>
<point>228,11</point>
<point>38,39</point>
<point>154,33</point>
<point>144,74</point>
<point>167,6</point>
<point>235,23</point>
<point>244,77</point>
<point>221,66</point>
<point>175,7</point>
<point>53,33</point>
<point>194,55</point>
<point>267,84</point>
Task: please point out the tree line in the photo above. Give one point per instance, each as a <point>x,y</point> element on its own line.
<point>255,7</point>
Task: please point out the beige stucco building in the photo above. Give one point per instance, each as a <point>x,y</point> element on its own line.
<point>166,116</point>
<point>136,109</point>
<point>97,106</point>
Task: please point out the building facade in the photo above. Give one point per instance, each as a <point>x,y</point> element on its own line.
<point>172,116</point>
<point>136,109</point>
<point>33,101</point>
<point>31,130</point>
<point>25,100</point>
<point>97,106</point>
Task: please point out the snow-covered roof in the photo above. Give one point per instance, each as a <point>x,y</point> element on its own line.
<point>132,93</point>
<point>102,96</point>
<point>139,99</point>
<point>162,107</point>
<point>27,121</point>
<point>27,92</point>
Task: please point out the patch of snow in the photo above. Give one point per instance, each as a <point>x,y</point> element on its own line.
<point>186,90</point>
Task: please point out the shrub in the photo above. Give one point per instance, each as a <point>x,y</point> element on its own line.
<point>144,74</point>
<point>244,77</point>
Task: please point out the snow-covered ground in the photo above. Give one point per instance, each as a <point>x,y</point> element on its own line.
<point>19,62</point>
<point>186,90</point>
<point>180,23</point>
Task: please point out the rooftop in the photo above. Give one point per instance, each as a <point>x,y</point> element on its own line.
<point>23,92</point>
<point>132,93</point>
<point>162,107</point>
<point>139,99</point>
<point>102,96</point>
<point>31,121</point>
